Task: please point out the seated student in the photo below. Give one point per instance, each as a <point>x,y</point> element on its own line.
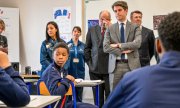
<point>56,72</point>
<point>156,86</point>
<point>13,90</point>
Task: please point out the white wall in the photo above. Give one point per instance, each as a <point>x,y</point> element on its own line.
<point>34,14</point>
<point>148,8</point>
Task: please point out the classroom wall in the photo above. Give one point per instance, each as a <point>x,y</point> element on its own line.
<point>33,19</point>
<point>148,8</point>
<point>34,14</point>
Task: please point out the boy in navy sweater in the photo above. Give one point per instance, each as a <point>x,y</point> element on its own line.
<point>57,71</point>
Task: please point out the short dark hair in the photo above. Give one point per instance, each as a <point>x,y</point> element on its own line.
<point>169,31</point>
<point>61,45</point>
<point>136,11</point>
<point>76,27</point>
<point>123,4</point>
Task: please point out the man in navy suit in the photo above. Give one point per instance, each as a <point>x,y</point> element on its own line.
<point>146,51</point>
<point>156,86</point>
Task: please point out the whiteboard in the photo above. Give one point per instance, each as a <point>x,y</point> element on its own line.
<point>11,18</point>
<point>62,16</point>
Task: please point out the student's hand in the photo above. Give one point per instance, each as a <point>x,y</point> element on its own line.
<point>71,78</point>
<point>4,61</point>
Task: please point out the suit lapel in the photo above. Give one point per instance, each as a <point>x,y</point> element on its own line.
<point>98,32</point>
<point>128,27</point>
<point>117,31</point>
<point>143,32</point>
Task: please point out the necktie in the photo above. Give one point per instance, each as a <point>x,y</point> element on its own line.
<point>122,38</point>
<point>102,32</point>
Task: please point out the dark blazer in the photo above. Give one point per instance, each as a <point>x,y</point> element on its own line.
<point>154,86</point>
<point>133,42</point>
<point>95,57</point>
<point>146,51</point>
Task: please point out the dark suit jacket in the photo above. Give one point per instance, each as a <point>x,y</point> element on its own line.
<point>154,86</point>
<point>146,51</point>
<point>95,57</point>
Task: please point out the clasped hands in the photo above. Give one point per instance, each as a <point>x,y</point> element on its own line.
<point>118,45</point>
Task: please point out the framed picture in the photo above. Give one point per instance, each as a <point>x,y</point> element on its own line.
<point>93,23</point>
<point>156,20</point>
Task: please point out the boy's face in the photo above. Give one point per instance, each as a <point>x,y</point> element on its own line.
<point>60,56</point>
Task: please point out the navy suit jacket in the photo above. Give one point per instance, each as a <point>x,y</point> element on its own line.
<point>146,51</point>
<point>155,86</point>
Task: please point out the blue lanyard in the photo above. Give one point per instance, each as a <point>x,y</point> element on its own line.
<point>75,50</point>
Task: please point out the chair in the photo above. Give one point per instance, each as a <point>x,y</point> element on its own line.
<point>43,90</point>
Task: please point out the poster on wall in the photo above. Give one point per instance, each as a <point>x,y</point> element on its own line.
<point>11,18</point>
<point>93,22</point>
<point>62,16</point>
<point>156,20</point>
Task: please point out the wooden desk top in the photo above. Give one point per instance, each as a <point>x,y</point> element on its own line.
<point>30,76</point>
<point>38,101</point>
<point>30,80</point>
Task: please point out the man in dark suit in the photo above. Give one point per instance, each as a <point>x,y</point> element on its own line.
<point>95,57</point>
<point>146,51</point>
<point>154,86</point>
<point>123,40</point>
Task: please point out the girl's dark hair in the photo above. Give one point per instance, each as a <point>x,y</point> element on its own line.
<point>57,33</point>
<point>76,27</point>
<point>61,45</point>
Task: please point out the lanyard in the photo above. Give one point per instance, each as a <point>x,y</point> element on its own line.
<point>75,50</point>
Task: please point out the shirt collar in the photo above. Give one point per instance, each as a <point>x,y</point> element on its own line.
<point>123,22</point>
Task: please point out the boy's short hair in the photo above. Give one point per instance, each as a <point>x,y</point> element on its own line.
<point>61,45</point>
<point>169,31</point>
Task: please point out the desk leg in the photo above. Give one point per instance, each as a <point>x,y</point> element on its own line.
<point>97,95</point>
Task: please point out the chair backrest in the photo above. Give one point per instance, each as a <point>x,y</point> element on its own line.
<point>69,92</point>
<point>43,90</point>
